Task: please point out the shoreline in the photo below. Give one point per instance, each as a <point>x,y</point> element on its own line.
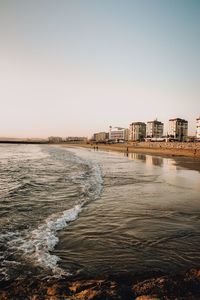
<point>147,285</point>
<point>183,158</point>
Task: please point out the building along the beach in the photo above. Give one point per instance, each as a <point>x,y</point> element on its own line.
<point>154,129</point>
<point>101,136</point>
<point>137,131</point>
<point>198,128</point>
<point>118,134</point>
<point>178,129</point>
<point>126,134</point>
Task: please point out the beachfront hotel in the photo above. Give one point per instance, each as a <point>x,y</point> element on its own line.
<point>198,128</point>
<point>155,129</point>
<point>137,131</point>
<point>178,129</point>
<point>118,133</point>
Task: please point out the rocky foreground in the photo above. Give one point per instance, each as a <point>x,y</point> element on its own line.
<point>180,287</point>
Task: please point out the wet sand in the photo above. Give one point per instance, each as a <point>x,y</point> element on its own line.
<point>183,158</point>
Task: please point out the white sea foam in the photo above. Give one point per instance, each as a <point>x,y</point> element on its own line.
<point>43,239</point>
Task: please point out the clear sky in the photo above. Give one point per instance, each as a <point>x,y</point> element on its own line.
<point>74,67</point>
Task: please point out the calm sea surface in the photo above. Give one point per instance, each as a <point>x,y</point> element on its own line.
<point>80,211</point>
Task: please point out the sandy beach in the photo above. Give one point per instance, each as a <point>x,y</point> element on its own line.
<point>183,157</point>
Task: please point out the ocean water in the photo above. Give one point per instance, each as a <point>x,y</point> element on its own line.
<point>73,211</point>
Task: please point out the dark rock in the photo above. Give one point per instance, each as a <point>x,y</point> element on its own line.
<point>184,286</point>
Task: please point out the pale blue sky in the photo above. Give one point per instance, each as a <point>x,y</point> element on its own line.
<point>75,67</point>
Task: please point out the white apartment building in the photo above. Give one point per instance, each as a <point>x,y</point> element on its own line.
<point>118,133</point>
<point>137,131</point>
<point>178,129</point>
<point>198,128</point>
<point>154,129</point>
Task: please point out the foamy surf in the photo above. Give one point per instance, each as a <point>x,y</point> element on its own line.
<point>40,242</point>
<point>34,243</point>
<point>44,239</point>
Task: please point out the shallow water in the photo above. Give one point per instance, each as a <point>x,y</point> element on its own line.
<point>79,211</point>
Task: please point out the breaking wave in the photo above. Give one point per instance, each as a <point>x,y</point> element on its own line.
<point>36,245</point>
<point>43,239</point>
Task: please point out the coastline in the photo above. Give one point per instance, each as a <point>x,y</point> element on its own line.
<point>183,157</point>
<point>139,286</point>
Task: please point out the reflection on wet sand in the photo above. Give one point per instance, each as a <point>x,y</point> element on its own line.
<point>187,178</point>
<point>150,160</point>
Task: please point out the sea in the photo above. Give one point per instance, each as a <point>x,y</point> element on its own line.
<point>82,212</point>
